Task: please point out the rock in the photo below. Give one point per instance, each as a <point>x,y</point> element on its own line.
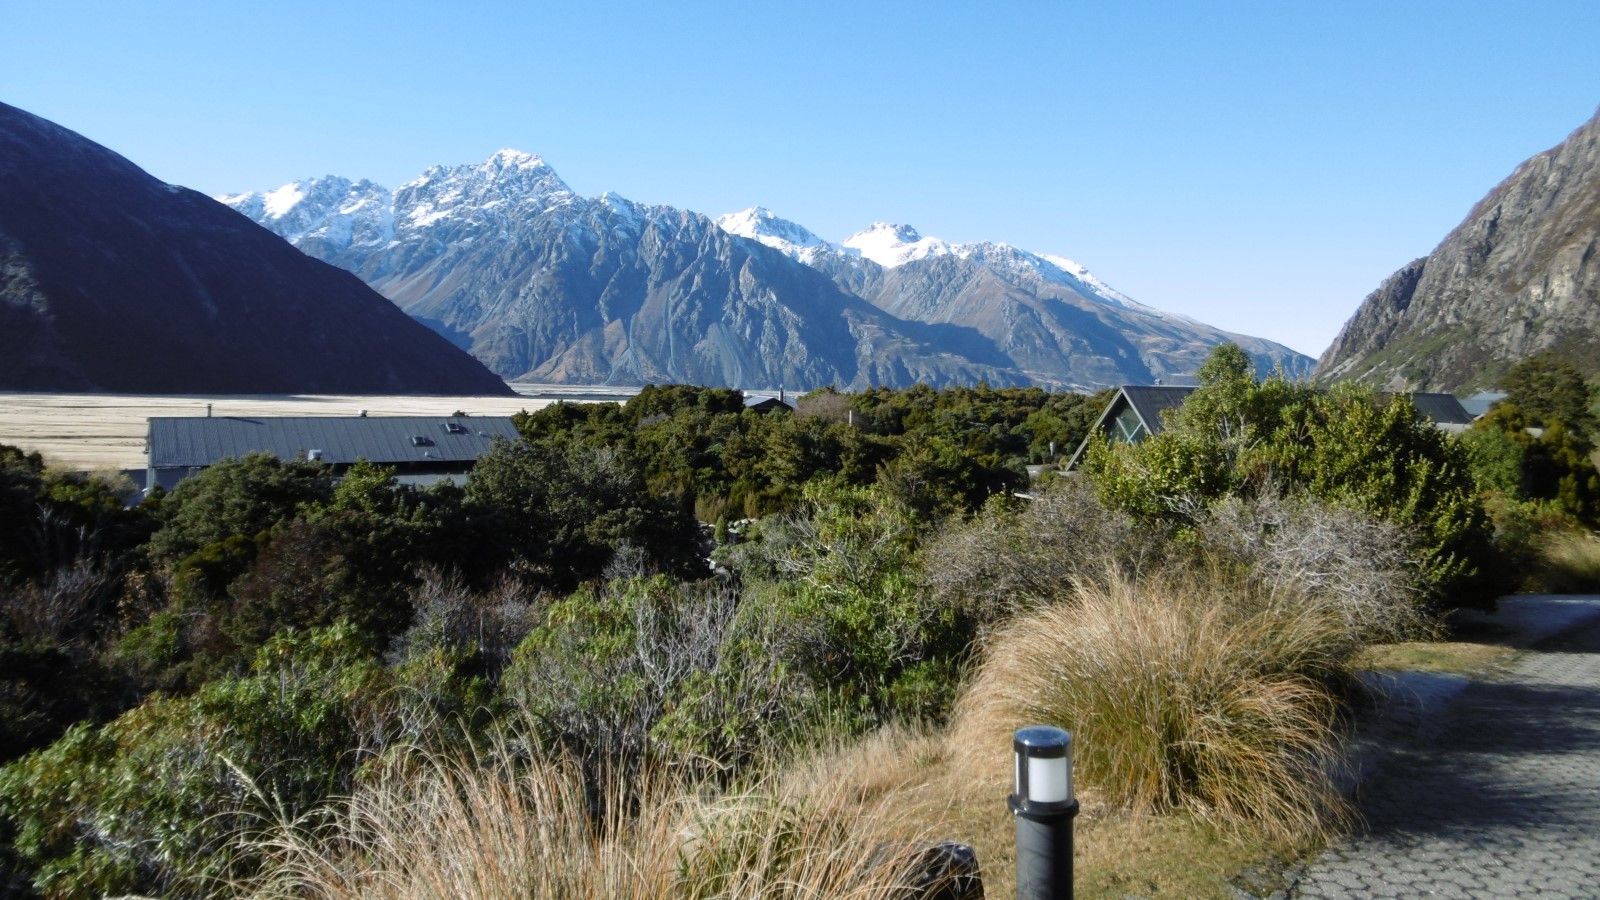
<point>1520,275</point>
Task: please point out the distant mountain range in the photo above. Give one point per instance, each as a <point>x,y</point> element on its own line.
<point>543,284</point>
<point>1520,275</point>
<point>111,280</point>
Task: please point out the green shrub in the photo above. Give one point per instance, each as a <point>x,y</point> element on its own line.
<point>644,667</point>
<point>561,511</point>
<point>235,498</point>
<point>1345,446</point>
<point>153,801</point>
<point>852,617</point>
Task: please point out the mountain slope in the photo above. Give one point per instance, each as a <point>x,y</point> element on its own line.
<point>1519,275</point>
<point>1057,323</point>
<point>541,283</point>
<point>544,285</point>
<point>111,280</point>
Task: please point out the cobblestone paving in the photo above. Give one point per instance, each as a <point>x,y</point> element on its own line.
<point>1504,802</point>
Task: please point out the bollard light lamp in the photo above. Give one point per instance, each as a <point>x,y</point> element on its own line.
<point>1043,807</point>
<point>1044,768</point>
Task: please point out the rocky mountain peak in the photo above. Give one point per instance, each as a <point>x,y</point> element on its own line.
<point>330,208</point>
<point>1520,274</point>
<point>509,182</point>
<point>760,224</point>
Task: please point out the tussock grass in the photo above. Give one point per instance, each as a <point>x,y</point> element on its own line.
<point>1184,694</point>
<point>496,823</point>
<point>1569,563</point>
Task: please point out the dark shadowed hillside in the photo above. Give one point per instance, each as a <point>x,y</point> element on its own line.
<point>112,280</point>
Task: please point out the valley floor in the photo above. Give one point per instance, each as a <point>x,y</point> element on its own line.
<point>107,431</point>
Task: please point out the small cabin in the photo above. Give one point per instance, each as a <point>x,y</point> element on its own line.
<point>768,404</point>
<point>1135,413</point>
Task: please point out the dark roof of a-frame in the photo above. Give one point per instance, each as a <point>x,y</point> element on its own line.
<point>1148,402</point>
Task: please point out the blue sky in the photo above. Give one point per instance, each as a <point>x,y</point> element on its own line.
<point>1259,166</point>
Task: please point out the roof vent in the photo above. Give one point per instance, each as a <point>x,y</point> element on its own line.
<point>421,440</point>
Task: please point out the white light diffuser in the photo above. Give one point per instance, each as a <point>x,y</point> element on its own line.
<point>1049,779</point>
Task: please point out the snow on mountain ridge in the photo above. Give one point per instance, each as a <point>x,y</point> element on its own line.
<point>890,245</point>
<point>791,238</point>
<point>278,203</point>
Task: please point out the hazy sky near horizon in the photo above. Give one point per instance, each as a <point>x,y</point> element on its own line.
<point>1259,166</point>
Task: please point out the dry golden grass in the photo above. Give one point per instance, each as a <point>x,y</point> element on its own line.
<point>1452,657</point>
<point>1188,696</point>
<point>1569,563</point>
<point>90,431</point>
<point>496,825</point>
<point>959,793</point>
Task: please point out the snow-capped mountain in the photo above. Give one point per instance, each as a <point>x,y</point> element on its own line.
<point>889,245</point>
<point>759,224</point>
<point>1055,320</point>
<point>545,285</point>
<point>895,245</point>
<point>334,211</point>
<point>541,283</point>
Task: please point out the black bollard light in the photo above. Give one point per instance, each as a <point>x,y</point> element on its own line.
<point>1044,807</point>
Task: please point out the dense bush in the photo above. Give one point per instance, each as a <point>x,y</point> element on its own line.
<point>648,669</point>
<point>154,800</point>
<point>235,498</point>
<point>559,511</point>
<point>1548,389</point>
<point>1552,467</point>
<point>842,580</point>
<point>1018,554</point>
<point>1347,447</point>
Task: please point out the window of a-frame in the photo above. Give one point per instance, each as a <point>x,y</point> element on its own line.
<point>1128,426</point>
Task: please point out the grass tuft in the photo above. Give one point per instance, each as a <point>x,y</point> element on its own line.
<point>496,823</point>
<point>1183,694</point>
<point>1569,563</point>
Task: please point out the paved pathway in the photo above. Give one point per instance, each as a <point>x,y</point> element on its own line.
<point>1504,801</point>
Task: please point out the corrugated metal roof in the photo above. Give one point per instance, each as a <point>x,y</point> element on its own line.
<point>766,403</point>
<point>200,441</point>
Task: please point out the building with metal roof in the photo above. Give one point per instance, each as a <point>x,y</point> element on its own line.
<point>1135,413</point>
<point>422,449</point>
<point>767,404</point>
